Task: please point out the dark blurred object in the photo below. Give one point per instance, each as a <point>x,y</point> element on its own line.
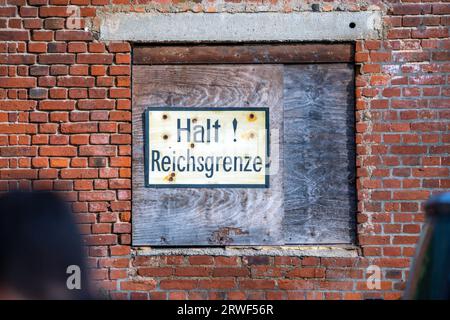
<point>430,273</point>
<point>39,241</point>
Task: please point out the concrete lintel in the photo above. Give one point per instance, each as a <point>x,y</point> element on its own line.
<point>293,251</point>
<point>240,27</point>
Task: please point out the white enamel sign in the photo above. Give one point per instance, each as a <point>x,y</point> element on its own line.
<point>207,147</point>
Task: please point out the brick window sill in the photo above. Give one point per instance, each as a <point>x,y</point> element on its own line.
<point>331,251</point>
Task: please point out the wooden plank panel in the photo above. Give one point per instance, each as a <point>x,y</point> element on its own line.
<point>319,162</point>
<point>186,217</point>
<point>250,54</point>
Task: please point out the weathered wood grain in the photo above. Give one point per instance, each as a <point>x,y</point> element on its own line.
<point>187,217</point>
<point>319,154</point>
<point>253,54</point>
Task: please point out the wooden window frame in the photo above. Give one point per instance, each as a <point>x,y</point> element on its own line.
<point>243,54</point>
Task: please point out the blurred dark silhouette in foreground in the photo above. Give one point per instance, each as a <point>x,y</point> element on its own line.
<point>39,241</point>
<point>430,272</point>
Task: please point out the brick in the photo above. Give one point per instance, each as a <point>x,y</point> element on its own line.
<point>79,127</point>
<point>57,47</point>
<point>306,273</point>
<point>74,81</point>
<point>201,260</point>
<point>39,70</point>
<point>411,195</point>
<point>46,81</point>
<point>123,58</point>
<point>335,285</point>
<point>39,162</point>
<point>120,250</point>
<point>120,184</point>
<point>430,33</point>
<point>295,284</point>
<point>225,261</point>
<point>120,116</point>
<point>38,93</point>
<point>59,163</point>
<point>409,149</point>
<point>192,271</point>
<point>17,105</point>
<point>441,56</point>
<point>178,284</point>
<point>14,35</point>
<point>23,58</point>
<point>96,240</point>
<point>12,174</point>
<point>56,58</point>
<point>287,261</point>
<point>379,80</point>
<point>257,284</point>
<point>120,162</point>
<point>99,139</point>
<point>411,9</point>
<point>17,82</point>
<point>138,285</point>
<point>257,260</point>
<point>17,128</point>
<point>18,151</point>
<point>97,150</point>
<point>122,228</point>
<point>79,173</point>
<point>441,8</point>
<point>380,56</point>
<point>41,35</point>
<point>121,139</point>
<point>119,70</point>
<point>54,11</point>
<point>73,35</point>
<point>59,139</point>
<point>54,23</point>
<point>119,47</point>
<point>431,172</point>
<point>37,47</point>
<point>96,47</point>
<point>230,272</point>
<point>32,23</point>
<point>65,151</point>
<point>96,104</point>
<point>56,105</point>
<point>94,58</point>
<point>97,196</point>
<point>155,272</point>
<point>7,11</point>
<point>217,284</point>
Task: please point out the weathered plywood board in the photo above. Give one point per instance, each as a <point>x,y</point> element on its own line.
<point>319,154</point>
<point>205,216</point>
<point>312,194</point>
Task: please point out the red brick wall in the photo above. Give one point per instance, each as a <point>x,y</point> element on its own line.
<point>65,125</point>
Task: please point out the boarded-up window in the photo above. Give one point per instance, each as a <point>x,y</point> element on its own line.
<point>307,93</point>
